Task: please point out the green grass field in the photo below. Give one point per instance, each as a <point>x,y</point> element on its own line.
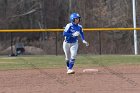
<point>52,61</point>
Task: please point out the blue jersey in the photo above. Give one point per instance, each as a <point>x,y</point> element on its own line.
<point>69,30</point>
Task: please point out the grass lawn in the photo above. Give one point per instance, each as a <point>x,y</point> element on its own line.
<point>52,61</point>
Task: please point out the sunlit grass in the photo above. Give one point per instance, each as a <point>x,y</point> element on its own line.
<point>52,61</point>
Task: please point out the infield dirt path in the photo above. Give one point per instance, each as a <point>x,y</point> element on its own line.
<point>118,79</point>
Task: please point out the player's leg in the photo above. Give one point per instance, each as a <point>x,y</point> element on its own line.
<point>66,49</point>
<point>73,51</point>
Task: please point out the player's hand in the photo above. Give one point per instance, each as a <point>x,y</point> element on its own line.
<point>86,43</point>
<point>76,33</point>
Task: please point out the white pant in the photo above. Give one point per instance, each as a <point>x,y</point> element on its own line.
<point>70,50</point>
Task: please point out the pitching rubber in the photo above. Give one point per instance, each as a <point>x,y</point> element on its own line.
<point>90,70</point>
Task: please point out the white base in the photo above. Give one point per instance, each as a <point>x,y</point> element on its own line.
<point>90,70</point>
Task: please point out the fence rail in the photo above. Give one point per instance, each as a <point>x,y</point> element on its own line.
<point>59,30</point>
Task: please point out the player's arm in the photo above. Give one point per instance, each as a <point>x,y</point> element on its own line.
<point>66,31</point>
<point>83,38</point>
<point>81,33</point>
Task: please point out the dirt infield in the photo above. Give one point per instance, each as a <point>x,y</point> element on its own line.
<point>118,79</point>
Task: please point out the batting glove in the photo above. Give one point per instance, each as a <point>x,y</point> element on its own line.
<point>76,33</point>
<point>86,43</point>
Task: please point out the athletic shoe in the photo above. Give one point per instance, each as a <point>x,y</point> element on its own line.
<point>67,68</point>
<point>70,71</point>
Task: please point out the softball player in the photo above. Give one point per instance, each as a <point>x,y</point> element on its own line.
<point>70,44</point>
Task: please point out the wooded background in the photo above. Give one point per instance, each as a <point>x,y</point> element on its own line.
<point>42,14</point>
